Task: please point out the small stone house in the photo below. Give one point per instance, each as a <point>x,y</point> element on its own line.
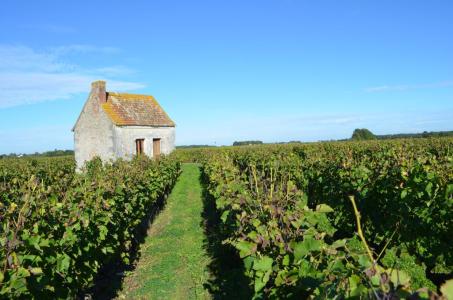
<point>119,125</point>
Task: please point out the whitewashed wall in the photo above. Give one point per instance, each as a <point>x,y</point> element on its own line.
<point>124,140</point>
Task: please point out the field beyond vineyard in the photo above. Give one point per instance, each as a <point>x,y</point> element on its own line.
<point>369,220</point>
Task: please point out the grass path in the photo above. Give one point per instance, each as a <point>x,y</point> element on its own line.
<point>173,262</point>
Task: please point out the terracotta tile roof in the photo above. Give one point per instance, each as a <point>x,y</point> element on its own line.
<point>132,109</point>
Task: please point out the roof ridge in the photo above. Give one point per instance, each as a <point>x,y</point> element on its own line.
<point>124,93</point>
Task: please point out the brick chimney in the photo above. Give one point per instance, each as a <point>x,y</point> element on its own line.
<point>98,88</point>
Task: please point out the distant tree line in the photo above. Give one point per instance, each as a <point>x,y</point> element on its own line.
<point>193,146</point>
<point>42,154</point>
<point>424,134</point>
<point>245,143</point>
<point>365,134</point>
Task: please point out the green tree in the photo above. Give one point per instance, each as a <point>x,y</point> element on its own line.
<point>362,134</point>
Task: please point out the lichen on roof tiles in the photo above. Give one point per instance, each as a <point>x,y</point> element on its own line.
<point>134,109</point>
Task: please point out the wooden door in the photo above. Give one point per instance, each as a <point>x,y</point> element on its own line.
<point>156,147</point>
<point>139,146</point>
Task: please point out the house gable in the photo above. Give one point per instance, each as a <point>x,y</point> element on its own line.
<point>93,131</point>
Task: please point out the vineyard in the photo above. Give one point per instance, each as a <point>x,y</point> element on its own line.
<point>369,220</point>
<point>59,227</point>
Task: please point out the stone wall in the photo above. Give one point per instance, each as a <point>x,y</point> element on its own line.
<point>93,133</point>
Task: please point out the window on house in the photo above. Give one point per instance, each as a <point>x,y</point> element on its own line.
<point>139,146</point>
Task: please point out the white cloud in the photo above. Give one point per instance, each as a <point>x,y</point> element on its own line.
<point>405,87</point>
<point>18,58</point>
<point>77,48</point>
<point>27,88</point>
<point>28,76</point>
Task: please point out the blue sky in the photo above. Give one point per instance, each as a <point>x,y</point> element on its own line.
<point>273,70</point>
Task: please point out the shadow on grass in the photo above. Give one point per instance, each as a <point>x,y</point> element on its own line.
<point>109,280</point>
<point>226,268</point>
